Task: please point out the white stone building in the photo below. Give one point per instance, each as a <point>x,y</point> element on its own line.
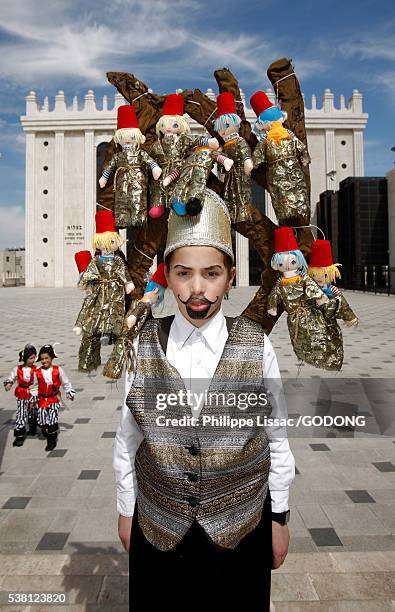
<point>61,154</point>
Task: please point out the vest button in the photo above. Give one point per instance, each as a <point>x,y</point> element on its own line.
<point>192,477</point>
<point>193,501</point>
<point>193,449</point>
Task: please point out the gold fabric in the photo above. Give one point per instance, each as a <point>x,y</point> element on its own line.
<point>286,181</point>
<point>237,185</point>
<point>131,167</point>
<point>103,309</point>
<point>209,228</point>
<point>169,155</point>
<point>194,174</point>
<point>316,339</point>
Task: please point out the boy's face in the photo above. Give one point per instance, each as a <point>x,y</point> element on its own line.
<point>30,360</point>
<point>199,279</point>
<point>46,360</point>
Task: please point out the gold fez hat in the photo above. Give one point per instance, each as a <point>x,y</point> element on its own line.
<point>211,227</point>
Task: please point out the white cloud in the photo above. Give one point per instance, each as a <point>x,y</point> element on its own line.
<point>370,48</point>
<point>12,226</point>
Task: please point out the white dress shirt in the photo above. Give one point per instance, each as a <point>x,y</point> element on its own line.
<point>195,353</point>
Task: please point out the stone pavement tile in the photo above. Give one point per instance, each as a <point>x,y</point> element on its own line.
<point>94,548</point>
<point>320,447</point>
<point>292,587</point>
<point>97,526</point>
<point>354,520</point>
<point>360,497</point>
<point>303,563</point>
<point>81,488</point>
<point>51,486</point>
<point>16,486</point>
<point>108,489</point>
<point>359,457</point>
<point>312,515</point>
<point>384,466</point>
<point>361,477</point>
<point>386,514</point>
<point>61,467</point>
<point>53,540</point>
<point>89,475</point>
<point>367,585</point>
<point>80,589</point>
<point>27,525</point>
<point>383,495</point>
<point>114,590</point>
<point>300,544</point>
<point>370,561</point>
<point>16,503</point>
<point>57,453</point>
<point>22,466</point>
<point>368,543</point>
<point>325,536</point>
<point>296,524</point>
<point>64,520</point>
<point>335,606</point>
<point>71,608</point>
<point>80,502</point>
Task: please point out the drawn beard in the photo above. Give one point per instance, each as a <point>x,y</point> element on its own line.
<point>202,306</point>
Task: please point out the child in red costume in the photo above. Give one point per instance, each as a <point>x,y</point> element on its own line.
<point>50,378</point>
<point>25,397</point>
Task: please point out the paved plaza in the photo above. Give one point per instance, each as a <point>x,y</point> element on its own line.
<point>58,519</point>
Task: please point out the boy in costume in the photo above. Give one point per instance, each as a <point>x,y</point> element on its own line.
<point>26,398</point>
<point>194,498</point>
<point>50,378</point>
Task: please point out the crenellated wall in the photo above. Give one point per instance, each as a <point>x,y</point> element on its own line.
<point>61,142</point>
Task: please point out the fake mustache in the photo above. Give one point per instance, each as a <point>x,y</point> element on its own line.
<point>195,298</point>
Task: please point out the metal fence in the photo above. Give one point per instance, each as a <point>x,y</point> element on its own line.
<point>375,279</point>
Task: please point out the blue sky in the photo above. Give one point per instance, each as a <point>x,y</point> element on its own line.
<point>70,44</point>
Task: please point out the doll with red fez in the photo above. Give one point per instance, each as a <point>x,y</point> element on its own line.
<point>174,144</point>
<point>237,185</point>
<point>26,396</point>
<point>315,340</point>
<point>134,320</point>
<point>131,167</point>
<point>284,156</point>
<point>324,272</point>
<point>100,320</point>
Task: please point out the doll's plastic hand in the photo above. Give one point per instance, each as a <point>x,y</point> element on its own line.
<point>248,166</point>
<point>77,331</point>
<point>322,300</point>
<point>102,182</point>
<point>213,143</point>
<point>7,386</point>
<point>228,163</point>
<point>166,181</point>
<point>272,312</point>
<point>352,323</point>
<point>156,172</point>
<point>129,287</point>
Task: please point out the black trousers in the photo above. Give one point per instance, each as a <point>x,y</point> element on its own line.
<point>199,575</point>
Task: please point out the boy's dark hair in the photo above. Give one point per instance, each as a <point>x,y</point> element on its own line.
<point>47,348</point>
<point>227,260</point>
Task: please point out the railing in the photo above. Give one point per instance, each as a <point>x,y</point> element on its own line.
<point>375,279</point>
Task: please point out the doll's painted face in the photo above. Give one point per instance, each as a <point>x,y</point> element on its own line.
<point>199,279</point>
<point>287,263</point>
<point>172,126</point>
<point>228,129</point>
<point>320,277</point>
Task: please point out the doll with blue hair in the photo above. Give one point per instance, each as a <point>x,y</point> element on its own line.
<point>237,184</point>
<point>315,339</point>
<point>284,157</point>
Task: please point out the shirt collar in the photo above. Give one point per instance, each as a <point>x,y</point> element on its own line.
<point>212,331</point>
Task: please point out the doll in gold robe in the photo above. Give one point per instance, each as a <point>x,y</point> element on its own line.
<point>174,144</point>
<point>315,340</point>
<point>131,167</point>
<point>237,185</point>
<point>284,156</point>
<point>107,280</point>
<point>324,272</point>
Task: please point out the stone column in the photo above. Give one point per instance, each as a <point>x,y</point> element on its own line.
<point>30,213</point>
<point>358,153</point>
<point>90,188</point>
<point>59,203</point>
